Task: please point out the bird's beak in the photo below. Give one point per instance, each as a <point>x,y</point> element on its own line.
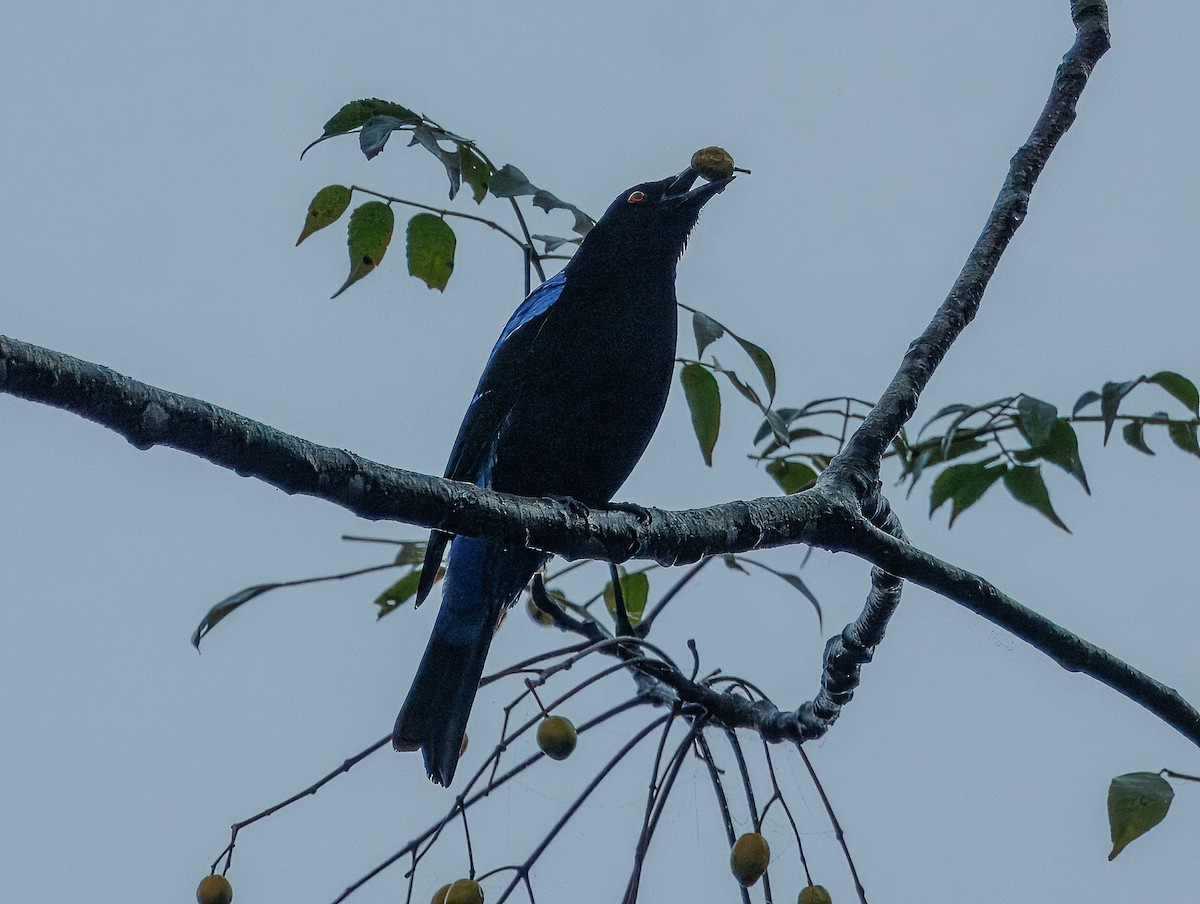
<point>680,188</point>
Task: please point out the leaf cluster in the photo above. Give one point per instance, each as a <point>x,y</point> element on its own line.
<point>975,447</point>
<point>430,241</point>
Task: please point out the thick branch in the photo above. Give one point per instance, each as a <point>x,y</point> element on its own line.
<point>148,416</point>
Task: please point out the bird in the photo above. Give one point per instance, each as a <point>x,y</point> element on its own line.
<point>569,398</point>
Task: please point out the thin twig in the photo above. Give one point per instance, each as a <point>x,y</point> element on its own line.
<point>644,627</point>
<point>837,826</point>
<point>312,789</point>
<point>714,775</point>
<point>442,211</point>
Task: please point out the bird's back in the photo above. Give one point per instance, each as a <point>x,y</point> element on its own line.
<point>596,382</point>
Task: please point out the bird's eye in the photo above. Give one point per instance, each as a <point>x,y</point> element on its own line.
<point>636,197</point>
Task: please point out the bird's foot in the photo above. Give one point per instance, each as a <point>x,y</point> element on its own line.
<point>640,512</point>
<point>573,505</point>
<point>581,509</point>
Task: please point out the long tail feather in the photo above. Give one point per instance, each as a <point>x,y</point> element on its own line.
<point>482,579</point>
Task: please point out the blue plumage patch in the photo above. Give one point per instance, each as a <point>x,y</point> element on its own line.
<point>538,302</point>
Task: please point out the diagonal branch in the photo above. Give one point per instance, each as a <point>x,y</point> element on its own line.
<point>858,464</point>
<point>1068,650</point>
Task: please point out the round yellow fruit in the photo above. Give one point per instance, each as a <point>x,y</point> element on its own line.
<point>814,894</point>
<point>214,889</point>
<point>556,737</point>
<point>749,858</point>
<point>536,615</point>
<point>713,163</point>
<point>439,896</point>
<point>465,891</point>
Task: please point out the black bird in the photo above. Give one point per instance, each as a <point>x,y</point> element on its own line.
<point>567,403</point>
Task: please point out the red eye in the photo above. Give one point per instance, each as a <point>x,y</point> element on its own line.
<point>636,197</point>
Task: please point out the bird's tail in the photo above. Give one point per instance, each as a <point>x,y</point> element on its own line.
<point>482,579</point>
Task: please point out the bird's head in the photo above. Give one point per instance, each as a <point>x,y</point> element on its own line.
<point>650,222</point>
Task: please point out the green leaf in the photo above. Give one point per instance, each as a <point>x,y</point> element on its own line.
<point>541,616</point>
<point>707,332</point>
<point>226,606</point>
<point>1026,485</point>
<point>368,235</point>
<point>1180,387</point>
<point>792,476</point>
<point>1183,434</point>
<point>766,367</point>
<point>635,590</point>
<point>1061,448</point>
<point>411,552</point>
<point>963,485</point>
<point>933,451</point>
<point>429,139</point>
<point>401,592</point>
<point>789,436</point>
<point>553,242</point>
<point>1110,400</point>
<point>777,425</point>
<point>1036,419</point>
<point>743,388</point>
<point>704,401</point>
<point>548,202</point>
<point>782,416</point>
<point>795,581</point>
<point>1137,802</point>
<point>376,131</point>
<point>325,208</point>
<point>475,172</point>
<point>357,112</point>
<point>964,412</point>
<point>1084,400</point>
<point>431,244</point>
<point>731,562</point>
<point>957,408</point>
<point>510,182</point>
<point>1132,434</point>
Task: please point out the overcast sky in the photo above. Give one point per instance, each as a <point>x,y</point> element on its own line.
<point>152,195</point>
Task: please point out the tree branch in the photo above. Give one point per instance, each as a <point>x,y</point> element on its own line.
<point>148,416</point>
<point>829,515</point>
<point>858,463</point>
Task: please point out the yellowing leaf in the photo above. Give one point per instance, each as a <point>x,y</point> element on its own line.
<point>368,235</point>
<point>401,592</point>
<point>635,590</point>
<point>1137,802</point>
<point>326,207</point>
<point>475,172</point>
<point>431,244</point>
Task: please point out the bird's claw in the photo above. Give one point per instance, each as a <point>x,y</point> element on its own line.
<point>640,512</point>
<point>572,504</point>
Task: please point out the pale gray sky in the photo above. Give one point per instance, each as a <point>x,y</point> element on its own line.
<point>152,195</point>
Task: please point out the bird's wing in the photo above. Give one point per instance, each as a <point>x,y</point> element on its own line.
<point>500,383</point>
<point>498,386</point>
